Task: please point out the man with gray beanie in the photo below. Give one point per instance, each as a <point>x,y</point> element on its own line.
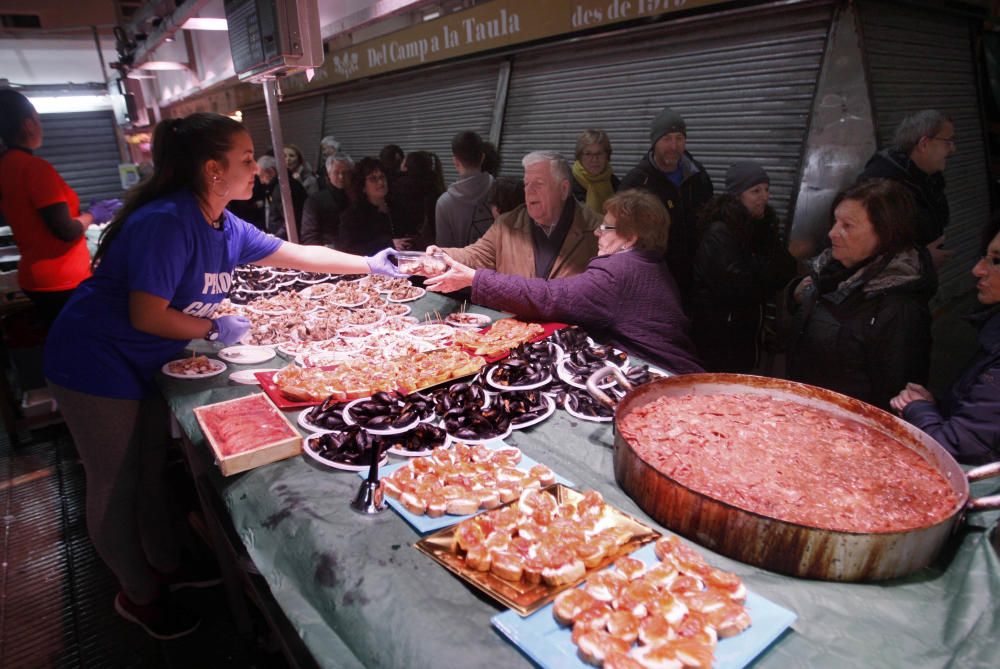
<point>672,174</point>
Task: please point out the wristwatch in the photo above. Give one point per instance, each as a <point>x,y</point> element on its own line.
<point>213,332</point>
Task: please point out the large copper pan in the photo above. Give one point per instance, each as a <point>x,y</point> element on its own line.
<point>774,544</point>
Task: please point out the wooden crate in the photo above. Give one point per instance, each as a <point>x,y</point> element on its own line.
<point>263,454</point>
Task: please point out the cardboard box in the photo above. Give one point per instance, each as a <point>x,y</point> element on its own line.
<point>280,439</point>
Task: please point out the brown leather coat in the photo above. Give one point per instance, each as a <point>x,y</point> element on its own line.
<point>507,246</point>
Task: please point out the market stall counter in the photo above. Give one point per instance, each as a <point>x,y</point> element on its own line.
<point>359,595</point>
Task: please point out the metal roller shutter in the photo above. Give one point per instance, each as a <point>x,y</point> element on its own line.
<point>255,120</point>
<point>419,112</point>
<point>302,125</point>
<point>919,59</point>
<point>83,147</point>
<point>743,82</point>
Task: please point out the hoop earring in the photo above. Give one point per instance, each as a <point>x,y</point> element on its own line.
<point>225,185</point>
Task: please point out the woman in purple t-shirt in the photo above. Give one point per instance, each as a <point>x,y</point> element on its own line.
<point>163,265</point>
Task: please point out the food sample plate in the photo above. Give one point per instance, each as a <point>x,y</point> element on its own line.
<point>179,368</point>
<point>313,455</point>
<point>522,597</point>
<point>425,524</point>
<point>535,421</point>
<point>529,386</point>
<point>542,639</point>
<point>246,355</point>
<point>408,294</point>
<point>389,431</point>
<point>568,377</point>
<point>247,432</point>
<point>576,414</point>
<point>248,376</point>
<point>303,421</point>
<point>467,320</point>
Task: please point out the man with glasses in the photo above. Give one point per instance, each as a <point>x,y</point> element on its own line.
<point>681,183</point>
<point>550,236</point>
<point>917,159</point>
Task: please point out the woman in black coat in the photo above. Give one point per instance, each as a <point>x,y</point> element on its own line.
<point>741,263</point>
<point>862,323</point>
<point>367,224</point>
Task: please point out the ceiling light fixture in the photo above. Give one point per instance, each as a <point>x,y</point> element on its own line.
<point>199,23</point>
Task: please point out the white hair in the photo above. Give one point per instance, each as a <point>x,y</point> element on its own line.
<point>339,158</point>
<point>267,163</point>
<point>557,163</point>
<point>330,141</point>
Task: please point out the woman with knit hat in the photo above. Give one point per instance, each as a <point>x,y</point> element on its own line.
<point>593,181</point>
<point>740,264</point>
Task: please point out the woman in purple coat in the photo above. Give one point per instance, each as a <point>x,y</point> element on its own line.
<point>626,297</point>
<point>967,420</point>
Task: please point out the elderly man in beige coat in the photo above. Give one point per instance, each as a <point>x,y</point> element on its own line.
<point>550,236</point>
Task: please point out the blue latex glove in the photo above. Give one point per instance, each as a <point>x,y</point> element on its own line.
<point>103,210</point>
<point>231,328</point>
<point>382,263</point>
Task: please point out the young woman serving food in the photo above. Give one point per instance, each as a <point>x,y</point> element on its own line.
<point>164,264</point>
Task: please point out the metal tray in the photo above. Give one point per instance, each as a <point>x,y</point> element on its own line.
<point>523,597</point>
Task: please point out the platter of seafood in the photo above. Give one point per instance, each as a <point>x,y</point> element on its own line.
<point>247,432</point>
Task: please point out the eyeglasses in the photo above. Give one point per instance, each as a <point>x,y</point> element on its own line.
<point>949,140</point>
<point>375,178</point>
<point>605,228</point>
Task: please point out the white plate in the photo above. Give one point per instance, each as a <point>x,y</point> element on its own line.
<point>399,305</point>
<point>535,421</point>
<point>592,419</point>
<point>372,325</point>
<point>530,386</point>
<point>567,376</point>
<point>303,420</point>
<point>387,431</point>
<point>408,299</point>
<point>269,312</point>
<point>246,355</point>
<point>476,441</point>
<point>247,376</point>
<point>352,305</point>
<point>432,331</point>
<point>307,450</point>
<point>479,321</point>
<point>218,368</point>
<point>317,291</point>
<point>448,441</point>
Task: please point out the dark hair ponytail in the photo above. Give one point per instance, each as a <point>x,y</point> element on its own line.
<point>14,110</point>
<point>181,147</point>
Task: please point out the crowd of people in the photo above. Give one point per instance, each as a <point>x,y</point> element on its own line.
<point>655,263</point>
<point>659,264</point>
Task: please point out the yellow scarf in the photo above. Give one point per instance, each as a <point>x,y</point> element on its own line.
<point>598,187</point>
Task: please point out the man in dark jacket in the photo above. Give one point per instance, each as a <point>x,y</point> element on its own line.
<point>321,213</point>
<point>461,216</point>
<point>917,159</point>
<point>672,174</point>
<point>267,169</point>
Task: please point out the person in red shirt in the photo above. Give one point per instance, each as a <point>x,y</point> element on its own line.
<point>42,210</point>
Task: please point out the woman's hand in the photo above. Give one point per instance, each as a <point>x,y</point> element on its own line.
<point>457,277</point>
<point>911,393</point>
<point>802,290</point>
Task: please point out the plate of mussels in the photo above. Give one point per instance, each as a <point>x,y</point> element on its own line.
<point>349,449</point>
<point>421,440</point>
<point>389,412</point>
<point>518,374</point>
<point>477,424</point>
<point>581,405</point>
<point>526,407</point>
<point>324,417</point>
